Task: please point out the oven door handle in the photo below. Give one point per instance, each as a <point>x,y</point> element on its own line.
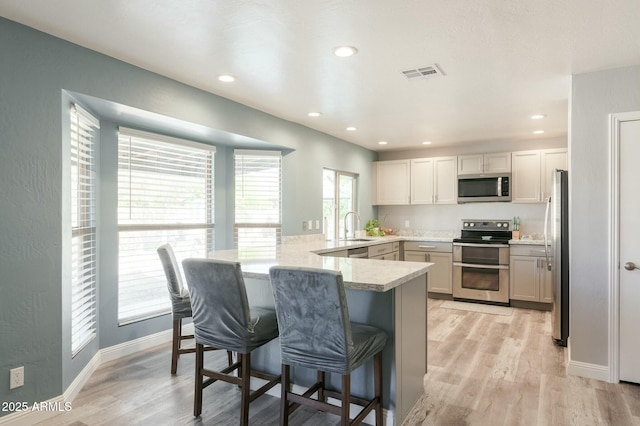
<point>481,245</point>
<point>477,266</point>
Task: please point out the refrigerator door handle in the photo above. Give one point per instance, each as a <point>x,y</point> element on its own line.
<point>546,243</point>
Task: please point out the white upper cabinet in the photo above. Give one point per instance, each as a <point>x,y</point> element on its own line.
<point>434,180</point>
<point>551,160</point>
<point>532,174</point>
<point>446,180</point>
<point>391,182</point>
<point>422,181</point>
<point>484,163</point>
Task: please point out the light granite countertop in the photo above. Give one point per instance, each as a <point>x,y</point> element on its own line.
<point>361,274</point>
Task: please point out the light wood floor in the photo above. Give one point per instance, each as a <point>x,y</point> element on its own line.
<point>488,369</point>
<point>484,369</point>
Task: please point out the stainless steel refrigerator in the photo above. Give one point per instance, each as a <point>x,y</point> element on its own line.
<point>556,226</point>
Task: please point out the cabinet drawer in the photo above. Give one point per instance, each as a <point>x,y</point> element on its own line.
<point>379,249</point>
<point>526,250</point>
<point>428,246</point>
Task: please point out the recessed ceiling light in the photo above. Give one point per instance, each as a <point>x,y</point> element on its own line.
<point>382,143</point>
<point>314,114</point>
<point>538,132</point>
<point>351,129</point>
<point>538,116</point>
<point>426,143</point>
<point>227,78</point>
<point>345,51</point>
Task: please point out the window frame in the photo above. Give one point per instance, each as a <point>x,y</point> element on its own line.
<point>164,167</point>
<point>256,247</point>
<point>83,141</point>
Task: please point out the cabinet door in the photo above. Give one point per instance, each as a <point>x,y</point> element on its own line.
<point>440,276</point>
<point>445,180</point>
<point>497,163</point>
<point>526,177</point>
<point>550,160</point>
<point>422,181</point>
<point>415,256</point>
<point>546,282</point>
<point>523,278</point>
<point>470,164</point>
<point>391,182</point>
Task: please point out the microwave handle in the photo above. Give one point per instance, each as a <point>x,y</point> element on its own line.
<point>499,191</point>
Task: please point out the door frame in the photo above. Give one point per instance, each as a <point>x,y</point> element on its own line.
<point>615,120</point>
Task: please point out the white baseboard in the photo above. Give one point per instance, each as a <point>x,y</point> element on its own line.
<point>590,371</point>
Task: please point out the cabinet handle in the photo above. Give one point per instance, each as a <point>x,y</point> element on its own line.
<point>428,257</point>
<point>427,247</point>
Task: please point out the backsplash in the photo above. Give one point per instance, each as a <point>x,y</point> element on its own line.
<point>448,218</point>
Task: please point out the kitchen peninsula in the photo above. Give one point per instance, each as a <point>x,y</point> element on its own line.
<point>388,295</point>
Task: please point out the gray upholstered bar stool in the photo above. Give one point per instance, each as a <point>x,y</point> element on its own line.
<point>315,332</point>
<point>223,319</point>
<point>180,303</point>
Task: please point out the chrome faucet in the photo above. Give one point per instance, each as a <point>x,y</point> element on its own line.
<point>345,222</point>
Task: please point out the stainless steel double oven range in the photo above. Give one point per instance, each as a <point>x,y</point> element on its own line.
<point>481,261</point>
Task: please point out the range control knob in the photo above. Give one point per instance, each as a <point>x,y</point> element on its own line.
<point>472,224</point>
<point>506,225</point>
<point>466,224</point>
<point>499,225</point>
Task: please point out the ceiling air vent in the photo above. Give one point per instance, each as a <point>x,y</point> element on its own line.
<point>423,73</point>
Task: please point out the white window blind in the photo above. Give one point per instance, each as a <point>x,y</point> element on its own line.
<point>258,195</point>
<point>83,133</point>
<point>165,195</point>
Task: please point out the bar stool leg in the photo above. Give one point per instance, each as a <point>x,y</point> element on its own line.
<point>175,345</point>
<point>321,396</point>
<point>377,373</point>
<point>284,403</point>
<point>246,388</point>
<point>197,404</point>
<point>346,399</point>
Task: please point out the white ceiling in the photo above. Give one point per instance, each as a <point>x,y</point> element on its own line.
<point>503,60</point>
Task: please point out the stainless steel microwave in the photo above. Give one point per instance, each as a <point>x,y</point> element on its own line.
<point>482,188</point>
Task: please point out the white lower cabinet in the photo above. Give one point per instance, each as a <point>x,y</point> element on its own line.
<point>440,276</point>
<point>529,278</point>
<point>386,251</point>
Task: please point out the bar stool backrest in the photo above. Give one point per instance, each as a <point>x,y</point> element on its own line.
<point>313,318</point>
<point>221,313</point>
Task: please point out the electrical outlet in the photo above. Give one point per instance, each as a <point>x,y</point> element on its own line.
<point>406,223</point>
<point>317,223</point>
<point>304,225</point>
<point>16,377</point>
<point>309,224</point>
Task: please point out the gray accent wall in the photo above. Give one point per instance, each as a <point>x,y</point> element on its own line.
<point>39,76</point>
<point>594,96</point>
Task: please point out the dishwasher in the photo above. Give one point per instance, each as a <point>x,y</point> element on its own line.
<point>360,252</point>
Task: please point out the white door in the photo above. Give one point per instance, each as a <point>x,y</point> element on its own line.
<point>629,150</point>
